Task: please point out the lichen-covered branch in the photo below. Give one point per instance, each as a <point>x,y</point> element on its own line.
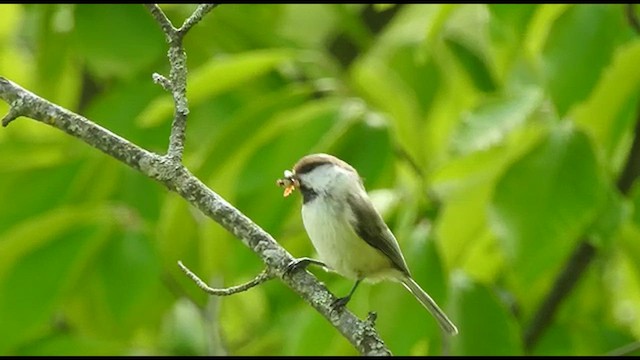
<point>198,14</point>
<point>177,81</point>
<point>163,20</point>
<point>169,171</point>
<point>177,178</point>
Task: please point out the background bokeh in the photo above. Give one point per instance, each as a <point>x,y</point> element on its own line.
<point>491,137</point>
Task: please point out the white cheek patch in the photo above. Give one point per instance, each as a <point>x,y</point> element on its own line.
<point>321,178</point>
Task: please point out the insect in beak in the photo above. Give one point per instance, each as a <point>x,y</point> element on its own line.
<point>289,183</point>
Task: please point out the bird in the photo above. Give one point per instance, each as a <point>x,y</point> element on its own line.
<point>347,232</point>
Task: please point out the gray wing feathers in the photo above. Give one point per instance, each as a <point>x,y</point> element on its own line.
<point>372,229</point>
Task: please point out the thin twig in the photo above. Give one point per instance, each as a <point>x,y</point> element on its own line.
<point>265,275</point>
<point>14,111</point>
<point>162,81</point>
<point>197,15</point>
<point>177,81</point>
<point>163,20</point>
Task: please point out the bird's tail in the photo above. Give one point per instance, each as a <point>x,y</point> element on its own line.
<point>431,305</point>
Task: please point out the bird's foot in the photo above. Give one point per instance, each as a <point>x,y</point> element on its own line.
<point>340,303</point>
<point>301,263</point>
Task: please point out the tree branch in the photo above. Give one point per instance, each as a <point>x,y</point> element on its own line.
<point>582,256</point>
<point>162,19</point>
<point>162,81</point>
<point>178,179</point>
<point>171,173</point>
<point>265,275</point>
<point>177,82</point>
<point>198,14</point>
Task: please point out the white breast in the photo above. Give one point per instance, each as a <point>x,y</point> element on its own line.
<point>337,244</point>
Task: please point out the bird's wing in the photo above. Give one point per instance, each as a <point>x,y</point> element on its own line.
<point>368,224</point>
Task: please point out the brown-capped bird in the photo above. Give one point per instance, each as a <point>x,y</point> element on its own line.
<point>348,233</point>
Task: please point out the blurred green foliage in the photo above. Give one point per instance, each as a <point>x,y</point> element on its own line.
<point>490,136</point>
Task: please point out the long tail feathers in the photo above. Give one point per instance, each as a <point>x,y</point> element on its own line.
<point>431,305</point>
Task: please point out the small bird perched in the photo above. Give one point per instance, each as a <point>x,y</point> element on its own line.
<point>348,233</point>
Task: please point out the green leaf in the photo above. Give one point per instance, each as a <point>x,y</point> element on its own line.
<point>427,268</point>
<point>32,158</point>
<point>465,244</point>
<point>308,25</point>
<point>128,277</point>
<point>115,110</point>
<point>216,76</point>
<point>474,64</point>
<point>373,158</point>
<point>630,248</point>
<point>9,18</point>
<point>423,76</point>
<point>226,30</point>
<point>183,331</point>
<point>484,324</point>
<point>465,174</point>
<point>494,120</point>
<point>465,186</point>
<point>239,129</point>
<point>516,16</point>
<point>120,294</point>
<point>545,201</point>
<point>386,91</point>
<point>556,340</point>
<point>41,259</point>
<point>66,344</point>
<point>634,197</point>
<point>30,192</point>
<point>383,7</point>
<point>540,25</point>
<point>250,306</point>
<point>613,213</point>
<point>590,34</point>
<point>117,40</point>
<point>58,79</point>
<point>300,324</point>
<point>617,88</point>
